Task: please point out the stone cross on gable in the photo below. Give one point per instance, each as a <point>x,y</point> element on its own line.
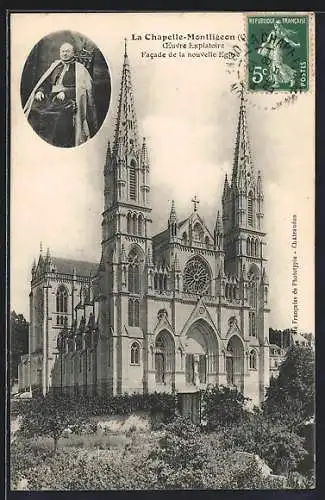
<point>195,202</point>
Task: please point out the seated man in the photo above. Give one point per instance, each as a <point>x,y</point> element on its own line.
<point>61,107</point>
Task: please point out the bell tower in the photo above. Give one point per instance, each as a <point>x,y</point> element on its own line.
<point>127,210</point>
<point>243,211</point>
<point>126,236</point>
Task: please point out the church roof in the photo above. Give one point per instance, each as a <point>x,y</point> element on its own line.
<point>81,267</point>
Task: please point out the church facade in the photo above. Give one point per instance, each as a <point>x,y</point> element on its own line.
<point>174,311</point>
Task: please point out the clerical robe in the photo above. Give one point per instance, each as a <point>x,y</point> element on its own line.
<point>68,122</point>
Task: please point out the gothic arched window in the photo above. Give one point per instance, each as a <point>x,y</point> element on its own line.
<point>248,246</point>
<point>135,354</point>
<point>132,181</point>
<point>250,214</point>
<point>140,225</point>
<point>252,360</point>
<point>62,299</point>
<point>197,232</point>
<point>256,248</point>
<point>253,295</point>
<point>129,223</point>
<point>184,238</point>
<point>155,281</point>
<point>136,312</point>
<point>134,273</point>
<point>164,356</point>
<point>135,224</point>
<point>252,247</point>
<point>161,282</point>
<point>252,324</point>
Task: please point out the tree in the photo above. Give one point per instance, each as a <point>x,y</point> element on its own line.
<point>281,448</point>
<point>50,415</point>
<point>290,398</point>
<point>18,341</point>
<point>223,406</point>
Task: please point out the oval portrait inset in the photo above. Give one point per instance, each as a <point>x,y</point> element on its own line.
<point>65,89</point>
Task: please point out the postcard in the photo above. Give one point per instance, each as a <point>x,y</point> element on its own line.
<point>162,171</point>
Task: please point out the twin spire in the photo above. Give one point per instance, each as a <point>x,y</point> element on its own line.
<point>126,144</point>
<point>126,129</point>
<point>243,170</point>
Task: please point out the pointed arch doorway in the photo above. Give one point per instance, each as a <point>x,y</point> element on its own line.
<point>201,366</point>
<point>235,363</point>
<point>201,355</point>
<point>164,359</point>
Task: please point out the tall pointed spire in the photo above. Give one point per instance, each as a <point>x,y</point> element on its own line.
<point>172,215</point>
<point>126,134</point>
<point>242,167</point>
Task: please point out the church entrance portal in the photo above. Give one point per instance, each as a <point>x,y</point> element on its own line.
<point>201,350</point>
<point>235,363</point>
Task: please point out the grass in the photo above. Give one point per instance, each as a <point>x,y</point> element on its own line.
<point>85,441</point>
<point>99,440</point>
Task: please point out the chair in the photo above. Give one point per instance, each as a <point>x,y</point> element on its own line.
<point>86,57</point>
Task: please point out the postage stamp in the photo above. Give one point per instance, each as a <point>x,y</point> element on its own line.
<point>277,53</point>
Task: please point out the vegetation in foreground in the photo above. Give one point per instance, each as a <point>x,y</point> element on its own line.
<point>179,454</point>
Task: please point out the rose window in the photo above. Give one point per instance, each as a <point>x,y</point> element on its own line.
<point>196,277</point>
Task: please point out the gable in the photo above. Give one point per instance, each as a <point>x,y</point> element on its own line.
<point>195,226</point>
<point>200,312</point>
<point>162,324</point>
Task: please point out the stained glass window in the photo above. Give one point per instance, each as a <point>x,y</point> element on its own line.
<point>196,277</point>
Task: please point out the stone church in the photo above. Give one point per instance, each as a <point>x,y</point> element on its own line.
<point>174,311</point>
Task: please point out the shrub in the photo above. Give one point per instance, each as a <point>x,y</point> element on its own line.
<point>24,456</point>
<point>223,406</point>
<point>297,481</point>
<point>281,449</point>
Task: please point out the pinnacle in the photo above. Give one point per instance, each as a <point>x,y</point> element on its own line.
<point>144,153</point>
<point>259,186</point>
<point>173,216</point>
<point>226,185</point>
<point>176,263</point>
<point>218,223</point>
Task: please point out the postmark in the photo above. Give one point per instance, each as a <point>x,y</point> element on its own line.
<point>277,53</point>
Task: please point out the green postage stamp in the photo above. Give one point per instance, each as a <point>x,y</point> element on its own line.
<point>278,53</point>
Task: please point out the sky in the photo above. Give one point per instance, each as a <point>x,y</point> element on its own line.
<point>188,114</point>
